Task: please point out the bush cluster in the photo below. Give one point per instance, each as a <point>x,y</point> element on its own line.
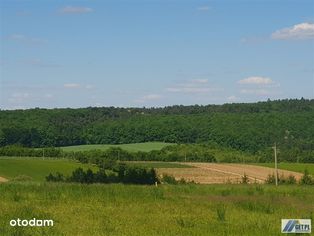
<point>121,174</point>
<point>171,153</point>
<point>209,152</point>
<point>306,179</point>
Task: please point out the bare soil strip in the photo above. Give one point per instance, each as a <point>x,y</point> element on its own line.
<point>3,179</point>
<point>199,175</point>
<point>208,173</point>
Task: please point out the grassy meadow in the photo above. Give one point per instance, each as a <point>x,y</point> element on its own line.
<point>117,209</point>
<point>132,147</point>
<point>297,167</point>
<point>156,164</point>
<point>36,168</point>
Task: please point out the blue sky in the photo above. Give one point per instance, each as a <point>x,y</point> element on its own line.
<point>154,53</point>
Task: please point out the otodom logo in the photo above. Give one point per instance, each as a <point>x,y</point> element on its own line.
<point>295,226</point>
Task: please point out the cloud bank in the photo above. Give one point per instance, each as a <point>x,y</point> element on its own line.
<point>192,86</point>
<point>75,10</point>
<point>257,80</point>
<point>296,32</point>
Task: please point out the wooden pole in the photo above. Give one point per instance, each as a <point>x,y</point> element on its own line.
<point>276,169</point>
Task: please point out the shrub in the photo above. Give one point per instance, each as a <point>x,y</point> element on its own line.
<point>136,175</point>
<point>55,178</point>
<point>101,176</point>
<point>168,179</point>
<point>271,179</point>
<point>245,179</point>
<point>133,175</point>
<point>306,179</point>
<point>78,175</point>
<point>90,177</point>
<point>291,180</point>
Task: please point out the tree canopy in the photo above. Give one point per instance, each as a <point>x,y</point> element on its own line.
<point>249,127</point>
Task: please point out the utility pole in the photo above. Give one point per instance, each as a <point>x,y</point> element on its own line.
<point>276,169</point>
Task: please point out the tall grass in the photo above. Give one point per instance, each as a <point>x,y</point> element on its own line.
<point>117,209</point>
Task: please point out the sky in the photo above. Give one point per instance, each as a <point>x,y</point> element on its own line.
<point>154,53</point>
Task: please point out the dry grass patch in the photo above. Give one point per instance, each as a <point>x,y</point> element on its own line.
<point>209,173</point>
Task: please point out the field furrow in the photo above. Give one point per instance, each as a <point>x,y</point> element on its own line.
<point>207,173</point>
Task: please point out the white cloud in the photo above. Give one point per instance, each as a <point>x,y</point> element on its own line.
<point>299,31</point>
<point>232,98</point>
<point>75,10</point>
<point>256,91</point>
<point>193,86</point>
<point>25,39</point>
<point>89,86</point>
<point>256,80</point>
<point>48,95</point>
<point>190,90</point>
<point>40,63</point>
<point>201,81</point>
<point>99,104</point>
<point>77,86</point>
<point>203,8</point>
<point>20,97</point>
<point>259,86</point>
<point>149,97</point>
<point>152,97</point>
<point>17,37</point>
<point>72,85</point>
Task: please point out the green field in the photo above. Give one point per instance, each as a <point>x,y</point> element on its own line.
<point>37,169</point>
<point>133,147</point>
<point>148,210</point>
<point>298,167</point>
<point>156,164</point>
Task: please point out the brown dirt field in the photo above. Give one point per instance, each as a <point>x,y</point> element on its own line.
<point>3,179</point>
<point>209,173</point>
<point>199,175</point>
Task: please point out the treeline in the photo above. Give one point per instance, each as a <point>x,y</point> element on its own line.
<point>170,153</point>
<point>118,173</point>
<point>173,153</point>
<point>246,127</point>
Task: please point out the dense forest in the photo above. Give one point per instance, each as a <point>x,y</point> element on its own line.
<point>248,127</point>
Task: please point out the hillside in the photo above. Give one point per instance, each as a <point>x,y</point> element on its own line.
<point>252,127</point>
<point>132,147</point>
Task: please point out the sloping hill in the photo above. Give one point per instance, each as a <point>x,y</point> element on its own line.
<point>133,147</point>
<point>252,127</point>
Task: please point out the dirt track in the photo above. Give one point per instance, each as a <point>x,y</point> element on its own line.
<point>3,179</point>
<point>208,173</point>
